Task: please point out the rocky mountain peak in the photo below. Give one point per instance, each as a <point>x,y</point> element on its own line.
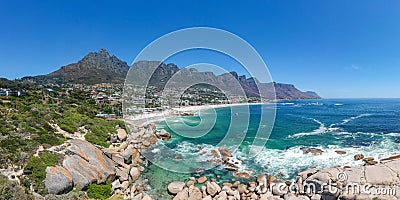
<point>103,51</point>
<point>95,67</point>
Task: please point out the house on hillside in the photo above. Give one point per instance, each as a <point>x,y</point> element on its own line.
<point>63,94</point>
<point>8,92</point>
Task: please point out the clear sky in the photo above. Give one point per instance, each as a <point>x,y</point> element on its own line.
<point>337,48</point>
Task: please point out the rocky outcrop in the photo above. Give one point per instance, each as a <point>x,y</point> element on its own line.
<point>222,156</point>
<point>370,161</point>
<point>164,135</point>
<point>377,176</point>
<point>358,157</point>
<point>58,180</point>
<point>85,164</point>
<point>313,151</point>
<point>125,152</point>
<point>83,173</point>
<point>313,184</point>
<point>103,165</point>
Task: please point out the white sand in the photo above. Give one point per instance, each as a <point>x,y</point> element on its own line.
<point>160,115</point>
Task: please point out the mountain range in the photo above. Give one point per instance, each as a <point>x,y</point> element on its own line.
<point>101,67</point>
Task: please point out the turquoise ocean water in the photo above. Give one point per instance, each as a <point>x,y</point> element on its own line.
<point>367,126</point>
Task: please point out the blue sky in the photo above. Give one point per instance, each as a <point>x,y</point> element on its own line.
<point>338,48</point>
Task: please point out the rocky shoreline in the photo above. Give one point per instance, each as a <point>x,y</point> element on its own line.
<point>374,180</point>
<point>122,164</point>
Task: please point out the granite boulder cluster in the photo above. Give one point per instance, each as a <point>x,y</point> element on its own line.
<point>379,180</point>
<point>84,164</point>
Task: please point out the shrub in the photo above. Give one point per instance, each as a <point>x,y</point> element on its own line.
<point>10,190</point>
<point>102,191</point>
<point>72,120</point>
<point>49,138</point>
<point>36,168</point>
<point>100,130</point>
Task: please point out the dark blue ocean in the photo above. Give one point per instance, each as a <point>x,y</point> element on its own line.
<point>367,126</point>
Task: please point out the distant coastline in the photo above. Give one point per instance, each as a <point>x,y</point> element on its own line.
<point>146,118</point>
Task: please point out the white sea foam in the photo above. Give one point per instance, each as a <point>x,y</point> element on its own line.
<point>338,104</point>
<point>345,121</point>
<point>202,152</point>
<point>155,150</point>
<point>289,103</point>
<point>322,129</point>
<point>343,133</point>
<point>186,147</point>
<point>394,134</point>
<point>292,160</point>
<point>315,104</point>
<point>330,129</point>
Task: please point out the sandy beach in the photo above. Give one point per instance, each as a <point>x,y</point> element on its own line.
<point>145,118</point>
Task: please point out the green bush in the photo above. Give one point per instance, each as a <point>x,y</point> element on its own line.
<point>72,120</point>
<point>50,139</point>
<point>102,191</point>
<point>36,168</point>
<point>100,130</point>
<point>75,195</point>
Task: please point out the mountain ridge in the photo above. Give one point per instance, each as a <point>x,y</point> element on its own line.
<point>101,67</point>
<point>251,86</point>
<point>95,67</point>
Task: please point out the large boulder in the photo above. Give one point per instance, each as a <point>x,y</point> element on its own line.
<point>313,151</point>
<point>225,152</point>
<point>380,175</point>
<point>164,135</point>
<point>195,193</point>
<point>130,153</point>
<point>147,198</point>
<point>358,157</point>
<point>121,134</point>
<point>122,173</point>
<point>213,188</point>
<point>182,195</point>
<point>244,175</point>
<point>394,165</point>
<point>355,174</point>
<point>135,173</point>
<point>103,165</point>
<point>83,173</point>
<point>202,179</point>
<point>58,180</point>
<point>176,187</point>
